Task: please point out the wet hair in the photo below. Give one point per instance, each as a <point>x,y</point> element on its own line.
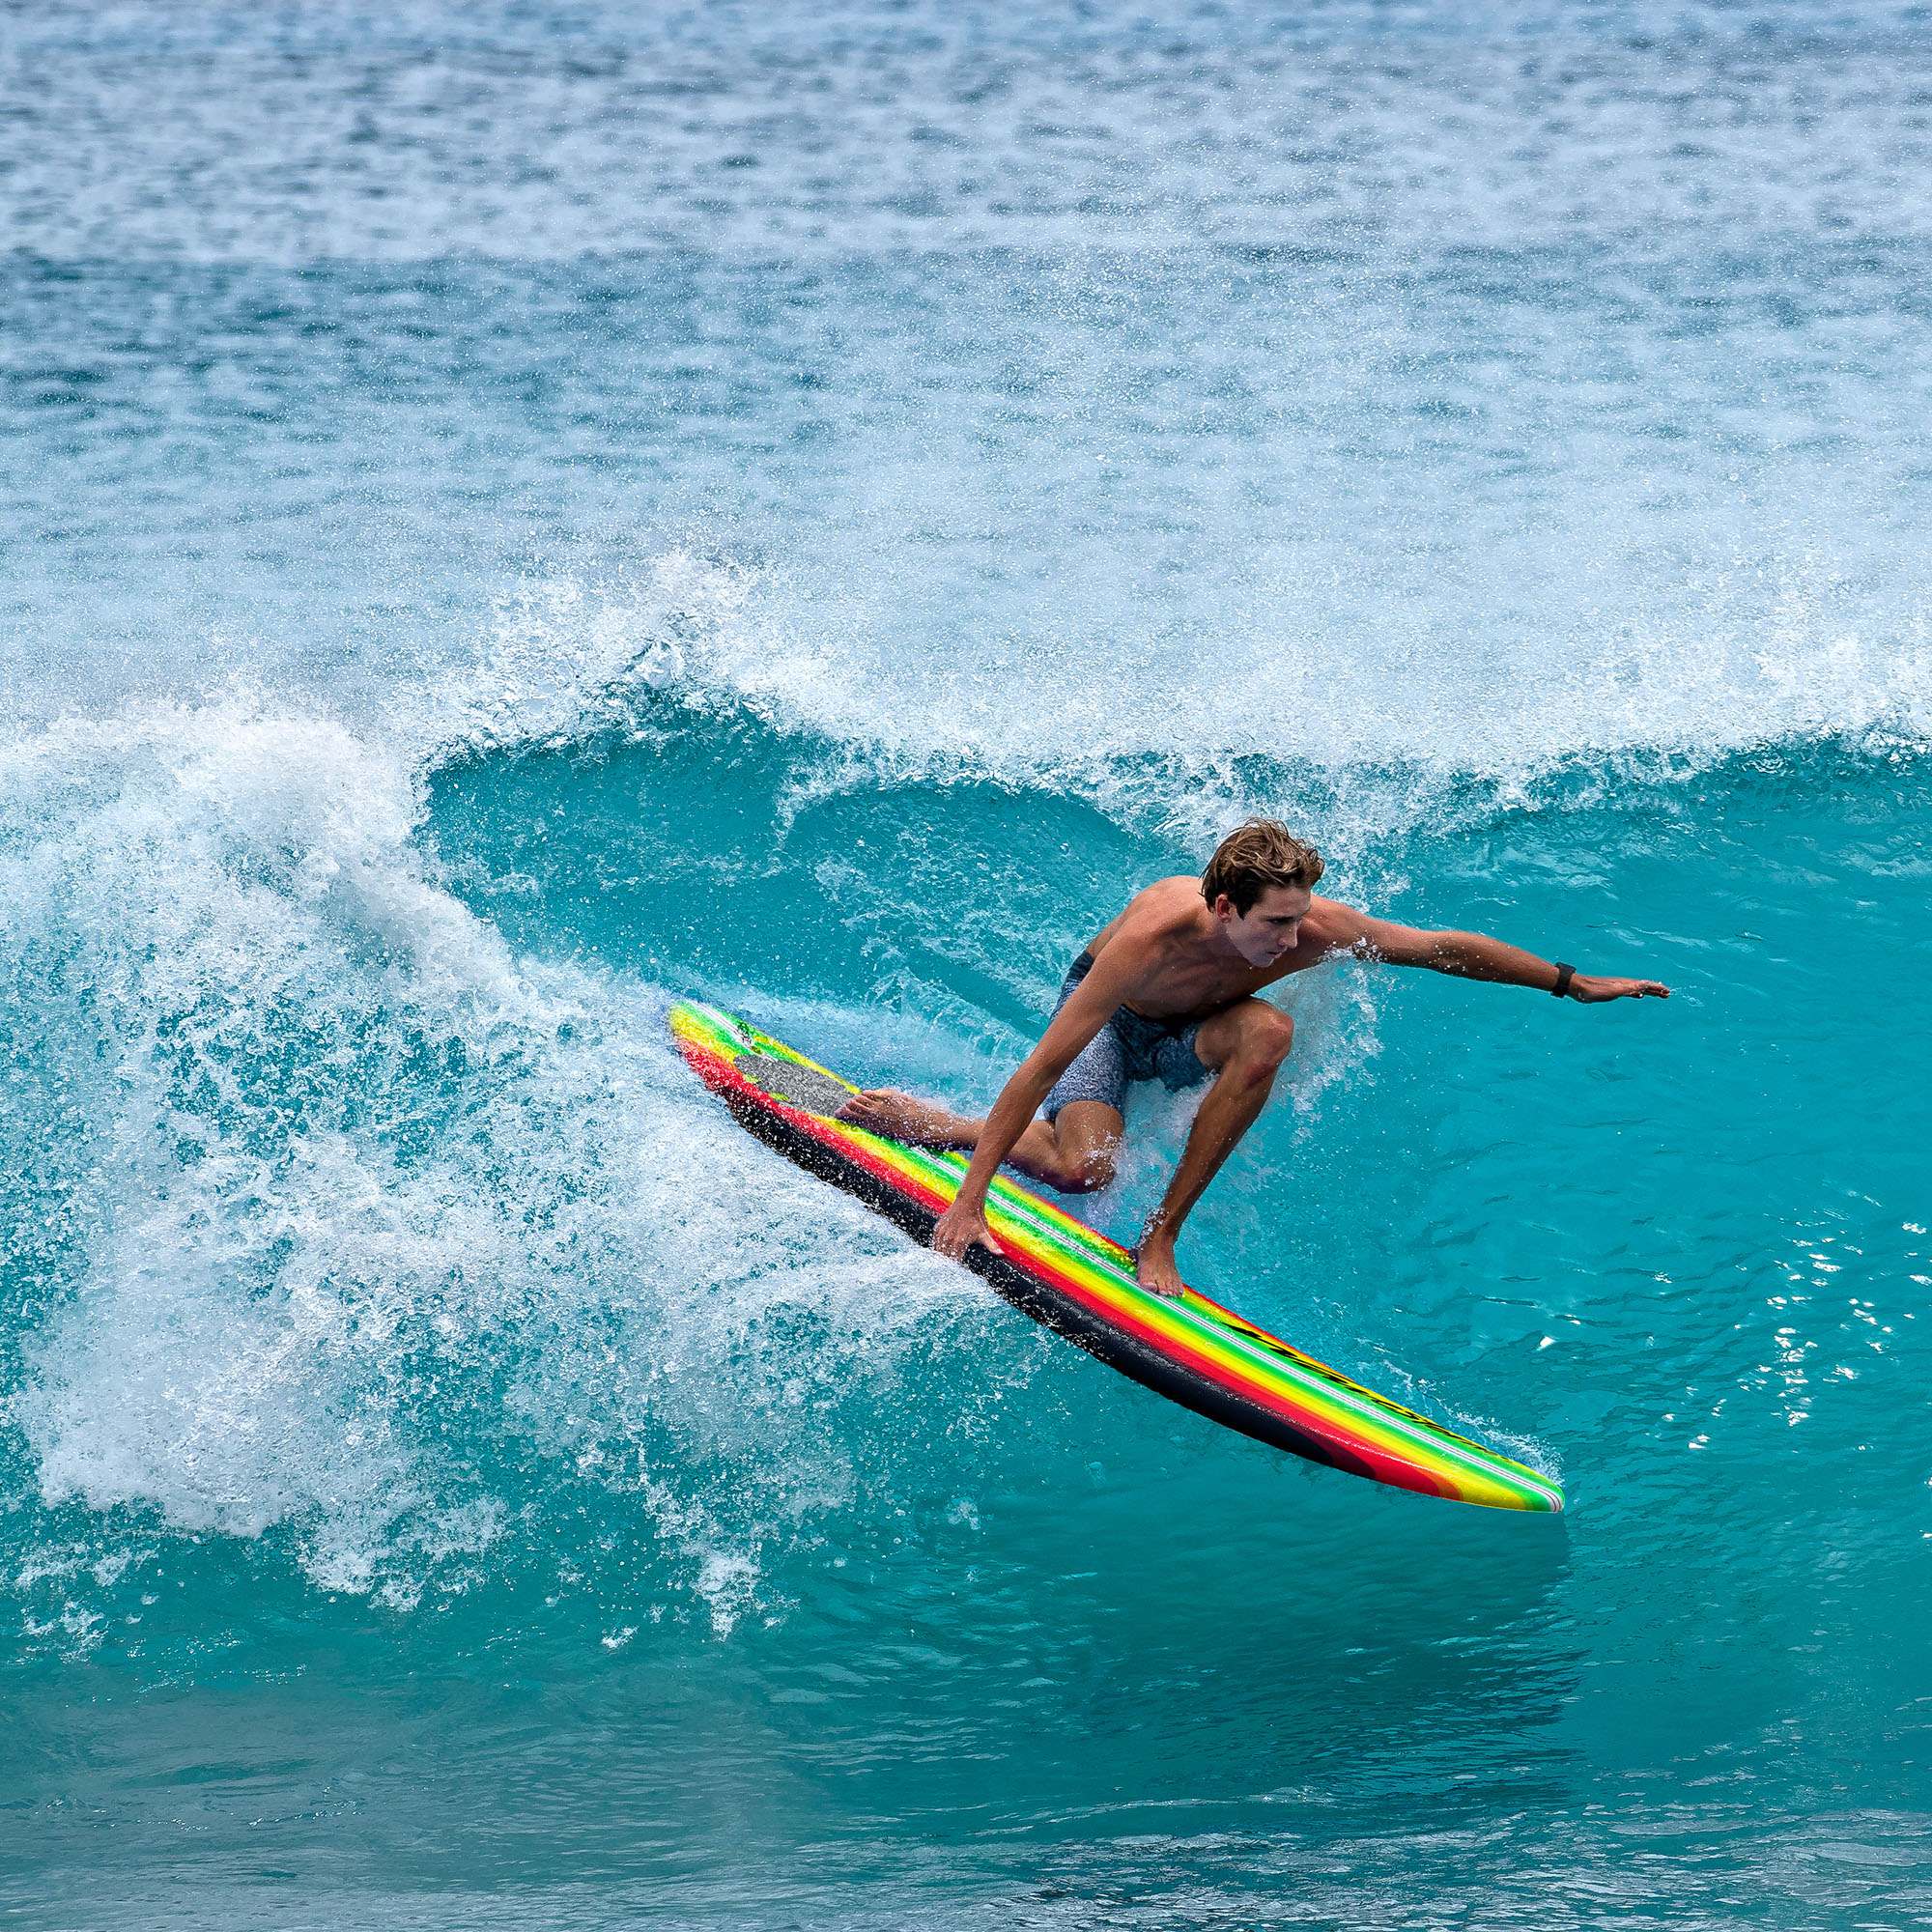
<point>1255,857</point>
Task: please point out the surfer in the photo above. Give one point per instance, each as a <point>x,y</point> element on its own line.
<point>1167,992</point>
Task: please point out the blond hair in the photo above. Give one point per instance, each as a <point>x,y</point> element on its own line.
<point>1255,857</point>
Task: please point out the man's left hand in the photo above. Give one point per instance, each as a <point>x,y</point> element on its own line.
<point>1592,989</point>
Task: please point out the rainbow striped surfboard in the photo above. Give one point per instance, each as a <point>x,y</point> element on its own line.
<point>1081,1285</point>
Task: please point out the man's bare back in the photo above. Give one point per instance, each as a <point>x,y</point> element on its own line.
<point>1189,958</point>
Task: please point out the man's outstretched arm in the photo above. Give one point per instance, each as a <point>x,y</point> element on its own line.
<point>1468,955</point>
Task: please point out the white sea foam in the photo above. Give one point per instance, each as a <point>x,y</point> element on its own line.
<point>378,1210</point>
<point>1369,728</point>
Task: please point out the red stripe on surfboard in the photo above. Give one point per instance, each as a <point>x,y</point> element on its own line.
<point>718,1073</point>
<point>1252,1332</point>
<point>713,1069</point>
<point>1351,1452</point>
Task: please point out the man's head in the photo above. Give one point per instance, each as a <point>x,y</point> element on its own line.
<point>1257,886</point>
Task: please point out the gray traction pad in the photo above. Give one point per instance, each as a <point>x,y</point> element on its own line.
<point>798,1086</point>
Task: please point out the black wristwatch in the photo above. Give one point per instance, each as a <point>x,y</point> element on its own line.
<point>1564,975</point>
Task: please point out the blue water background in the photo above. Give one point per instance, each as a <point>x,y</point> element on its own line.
<point>514,513</point>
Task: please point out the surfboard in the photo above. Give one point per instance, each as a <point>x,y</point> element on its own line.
<point>1075,1281</point>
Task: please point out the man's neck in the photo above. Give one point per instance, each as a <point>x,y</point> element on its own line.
<point>1213,941</point>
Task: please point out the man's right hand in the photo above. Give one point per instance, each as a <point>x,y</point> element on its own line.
<point>962,1226</point>
<point>1593,990</point>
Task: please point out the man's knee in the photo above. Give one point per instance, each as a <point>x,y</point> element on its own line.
<point>1086,1138</point>
<point>1092,1172</point>
<point>1083,1170</point>
<point>1267,1034</point>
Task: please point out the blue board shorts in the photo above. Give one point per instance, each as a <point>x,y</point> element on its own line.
<point>1129,1047</point>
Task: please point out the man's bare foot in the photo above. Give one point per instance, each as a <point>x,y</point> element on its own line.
<point>1155,1269</point>
<point>885,1110</point>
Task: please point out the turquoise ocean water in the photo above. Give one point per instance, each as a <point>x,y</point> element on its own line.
<point>517,512</point>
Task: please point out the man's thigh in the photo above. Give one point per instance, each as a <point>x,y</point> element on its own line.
<point>1223,1034</point>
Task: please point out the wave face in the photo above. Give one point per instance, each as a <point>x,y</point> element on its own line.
<point>530,515</point>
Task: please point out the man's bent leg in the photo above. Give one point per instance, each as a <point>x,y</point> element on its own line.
<point>1072,1152</point>
<point>1246,1046</point>
<point>1072,1149</point>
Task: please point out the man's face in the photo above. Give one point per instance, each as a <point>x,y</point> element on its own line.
<point>1270,927</point>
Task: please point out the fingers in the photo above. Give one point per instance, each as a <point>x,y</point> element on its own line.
<point>1623,990</point>
<point>952,1244</point>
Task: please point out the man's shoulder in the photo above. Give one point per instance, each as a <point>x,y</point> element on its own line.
<point>1167,906</point>
<point>1329,912</point>
<point>1332,926</point>
<point>1157,920</point>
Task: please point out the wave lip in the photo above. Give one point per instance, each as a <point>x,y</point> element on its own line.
<point>1370,733</point>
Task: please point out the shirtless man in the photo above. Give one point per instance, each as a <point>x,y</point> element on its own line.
<point>1167,992</point>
